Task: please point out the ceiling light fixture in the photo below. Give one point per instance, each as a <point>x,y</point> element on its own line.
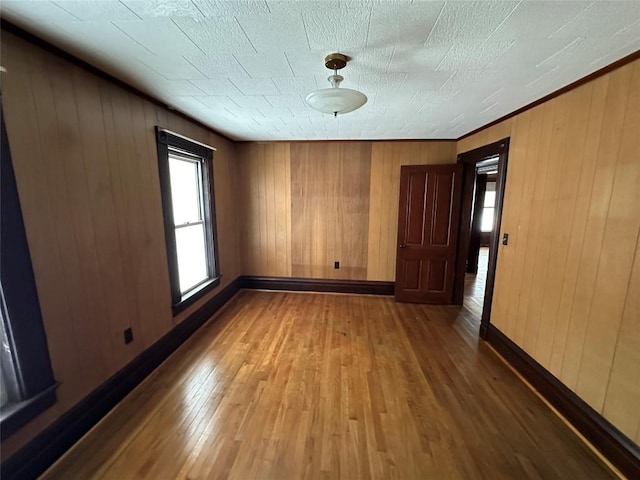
<point>336,100</point>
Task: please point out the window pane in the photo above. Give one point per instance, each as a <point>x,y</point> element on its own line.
<point>185,190</point>
<point>490,199</point>
<point>192,257</point>
<point>487,220</point>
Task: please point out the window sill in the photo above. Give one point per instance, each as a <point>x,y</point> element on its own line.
<point>14,416</point>
<point>194,295</point>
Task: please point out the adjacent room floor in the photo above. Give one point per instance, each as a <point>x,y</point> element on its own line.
<point>474,285</point>
<point>301,385</point>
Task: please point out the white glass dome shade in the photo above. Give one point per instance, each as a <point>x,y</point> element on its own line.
<point>336,100</point>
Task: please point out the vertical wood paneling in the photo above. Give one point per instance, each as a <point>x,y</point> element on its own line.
<point>313,234</point>
<point>133,212</point>
<point>538,321</point>
<point>225,184</point>
<point>386,160</point>
<point>608,147</point>
<point>262,208</point>
<point>623,392</point>
<point>543,205</point>
<point>265,206</point>
<point>63,162</point>
<point>618,244</point>
<point>83,225</point>
<point>513,196</point>
<point>105,226</point>
<point>154,115</point>
<point>519,273</point>
<point>541,160</point>
<point>287,206</point>
<point>154,244</point>
<point>330,209</point>
<point>579,220</point>
<point>86,167</point>
<point>376,206</point>
<point>270,204</point>
<point>567,284</point>
<point>246,183</point>
<point>115,154</point>
<point>569,164</point>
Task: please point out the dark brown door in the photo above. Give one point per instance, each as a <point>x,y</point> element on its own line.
<point>430,200</point>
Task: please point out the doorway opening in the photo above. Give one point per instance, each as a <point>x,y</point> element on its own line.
<point>484,176</point>
<point>482,226</point>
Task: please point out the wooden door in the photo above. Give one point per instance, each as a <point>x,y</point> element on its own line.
<point>428,220</point>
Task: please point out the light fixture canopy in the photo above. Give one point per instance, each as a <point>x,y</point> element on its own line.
<point>336,100</point>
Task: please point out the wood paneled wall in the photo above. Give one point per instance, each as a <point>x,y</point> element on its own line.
<point>568,284</point>
<point>264,194</point>
<point>386,160</point>
<point>85,159</point>
<point>305,205</point>
<point>330,209</point>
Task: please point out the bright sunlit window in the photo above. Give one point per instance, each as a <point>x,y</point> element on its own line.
<point>189,222</point>
<point>186,171</point>
<point>488,208</point>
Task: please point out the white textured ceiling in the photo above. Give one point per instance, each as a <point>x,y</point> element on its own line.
<point>430,69</point>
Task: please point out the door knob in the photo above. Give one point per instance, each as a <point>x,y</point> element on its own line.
<point>402,245</point>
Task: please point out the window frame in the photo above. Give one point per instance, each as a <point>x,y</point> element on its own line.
<point>167,143</point>
<point>33,387</point>
<point>204,208</point>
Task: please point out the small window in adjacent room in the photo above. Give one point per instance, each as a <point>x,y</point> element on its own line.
<point>186,182</point>
<point>488,207</point>
<point>27,386</point>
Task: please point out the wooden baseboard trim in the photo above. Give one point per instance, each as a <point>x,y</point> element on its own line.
<point>611,442</point>
<point>364,287</point>
<point>41,452</point>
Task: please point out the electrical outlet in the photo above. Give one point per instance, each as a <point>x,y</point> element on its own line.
<point>128,335</point>
<point>336,264</point>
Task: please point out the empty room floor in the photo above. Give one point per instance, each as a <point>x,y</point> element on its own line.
<point>303,385</point>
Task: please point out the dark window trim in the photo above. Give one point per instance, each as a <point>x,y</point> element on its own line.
<point>16,415</point>
<point>168,141</point>
<point>29,352</point>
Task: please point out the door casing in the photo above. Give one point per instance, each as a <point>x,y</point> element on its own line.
<point>469,160</point>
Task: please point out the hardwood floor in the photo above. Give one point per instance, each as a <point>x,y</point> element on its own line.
<point>299,385</point>
<point>474,285</point>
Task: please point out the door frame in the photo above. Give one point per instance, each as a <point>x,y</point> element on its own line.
<point>469,160</point>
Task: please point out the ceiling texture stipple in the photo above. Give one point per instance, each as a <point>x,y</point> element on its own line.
<point>430,69</point>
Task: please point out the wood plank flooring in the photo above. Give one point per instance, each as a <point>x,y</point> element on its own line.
<point>299,385</point>
<point>475,284</point>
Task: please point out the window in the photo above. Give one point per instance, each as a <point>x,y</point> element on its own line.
<point>488,208</point>
<point>26,378</point>
<point>186,181</point>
